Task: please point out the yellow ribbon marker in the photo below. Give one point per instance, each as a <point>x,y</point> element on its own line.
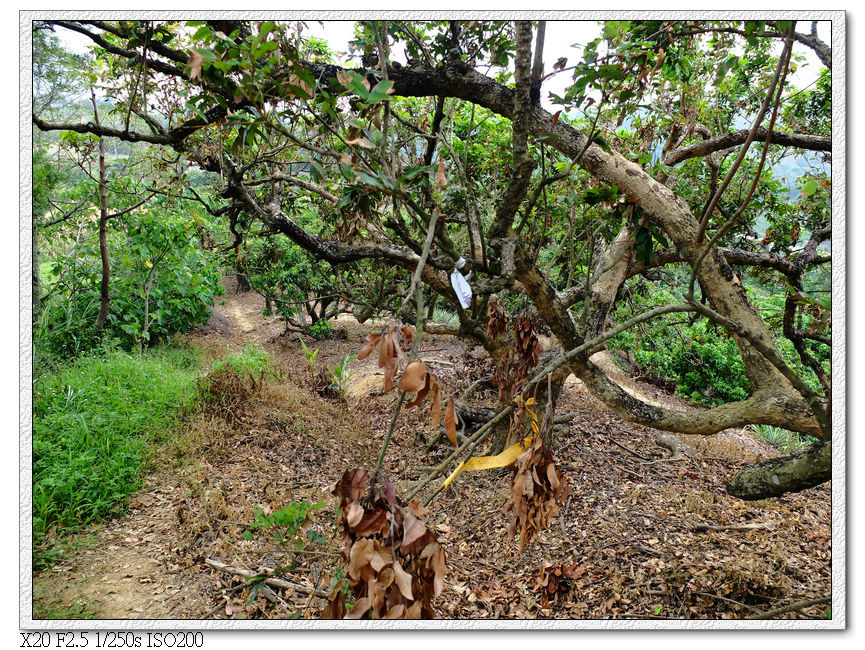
<point>503,459</point>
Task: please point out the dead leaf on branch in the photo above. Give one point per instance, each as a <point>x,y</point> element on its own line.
<point>538,487</point>
<point>441,179</point>
<point>195,62</point>
<point>451,422</point>
<point>394,565</point>
<point>413,377</point>
<point>416,377</point>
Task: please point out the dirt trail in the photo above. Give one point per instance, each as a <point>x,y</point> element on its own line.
<point>625,536</point>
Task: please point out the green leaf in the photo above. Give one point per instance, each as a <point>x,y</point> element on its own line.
<point>809,188</point>
<point>598,140</point>
<point>596,195</point>
<point>380,91</point>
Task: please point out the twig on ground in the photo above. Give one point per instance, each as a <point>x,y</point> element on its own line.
<point>729,600</point>
<point>740,527</point>
<point>791,608</point>
<point>271,582</point>
<point>630,451</point>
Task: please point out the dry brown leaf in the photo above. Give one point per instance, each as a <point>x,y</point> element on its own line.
<point>451,422</point>
<point>396,611</point>
<point>414,529</point>
<point>361,607</point>
<point>413,377</point>
<point>343,78</point>
<point>421,394</point>
<point>360,556</point>
<point>429,550</point>
<point>403,580</point>
<point>436,408</point>
<point>417,509</point>
<point>438,562</point>
<point>408,334</point>
<point>441,179</point>
<point>361,142</point>
<point>385,351</point>
<point>195,62</point>
<point>389,373</point>
<point>354,514</point>
<point>371,523</point>
<point>372,341</point>
<point>381,557</point>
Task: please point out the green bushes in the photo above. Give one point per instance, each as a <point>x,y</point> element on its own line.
<point>162,282</point>
<point>703,363</point>
<point>94,420</point>
<point>708,367</point>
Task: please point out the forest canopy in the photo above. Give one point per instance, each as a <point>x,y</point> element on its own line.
<point>673,202</point>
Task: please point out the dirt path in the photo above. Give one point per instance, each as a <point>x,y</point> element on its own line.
<point>624,545</point>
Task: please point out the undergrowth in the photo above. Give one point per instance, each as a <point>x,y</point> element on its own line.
<point>96,422</point>
<point>234,381</point>
<point>783,440</point>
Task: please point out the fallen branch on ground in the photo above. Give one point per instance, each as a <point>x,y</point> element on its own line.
<point>271,582</point>
<point>790,608</point>
<point>740,527</point>
<point>630,451</point>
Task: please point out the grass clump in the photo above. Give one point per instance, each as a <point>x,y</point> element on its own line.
<point>95,422</point>
<point>233,381</point>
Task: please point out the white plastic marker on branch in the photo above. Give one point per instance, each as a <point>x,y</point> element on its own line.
<point>460,285</point>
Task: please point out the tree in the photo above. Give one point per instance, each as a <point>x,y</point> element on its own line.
<point>645,170</point>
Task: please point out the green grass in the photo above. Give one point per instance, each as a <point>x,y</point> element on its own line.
<point>252,361</point>
<point>96,421</point>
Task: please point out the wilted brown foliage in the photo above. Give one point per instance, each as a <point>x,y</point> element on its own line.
<point>537,490</point>
<point>395,566</point>
<point>225,390</point>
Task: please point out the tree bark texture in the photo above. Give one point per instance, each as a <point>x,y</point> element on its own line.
<point>794,473</point>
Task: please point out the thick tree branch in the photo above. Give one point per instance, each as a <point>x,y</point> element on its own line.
<point>698,149</point>
<point>802,470</point>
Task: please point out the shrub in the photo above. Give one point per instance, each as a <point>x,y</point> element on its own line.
<point>782,439</point>
<point>320,330</point>
<point>705,365</point>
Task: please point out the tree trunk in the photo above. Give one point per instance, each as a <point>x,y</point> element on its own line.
<point>794,473</point>
<point>36,286</point>
<point>104,295</point>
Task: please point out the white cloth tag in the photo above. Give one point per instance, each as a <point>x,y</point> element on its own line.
<point>462,289</point>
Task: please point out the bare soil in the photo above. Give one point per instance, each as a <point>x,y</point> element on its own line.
<point>627,543</point>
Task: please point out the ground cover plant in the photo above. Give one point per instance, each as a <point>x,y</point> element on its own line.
<point>96,421</point>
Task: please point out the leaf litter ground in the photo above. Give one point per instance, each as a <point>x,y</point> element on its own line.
<point>634,539</point>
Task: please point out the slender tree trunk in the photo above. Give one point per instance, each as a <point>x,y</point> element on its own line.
<point>104,295</point>
<point>36,286</point>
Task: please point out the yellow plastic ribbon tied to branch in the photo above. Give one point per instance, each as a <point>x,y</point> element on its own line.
<point>503,459</point>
